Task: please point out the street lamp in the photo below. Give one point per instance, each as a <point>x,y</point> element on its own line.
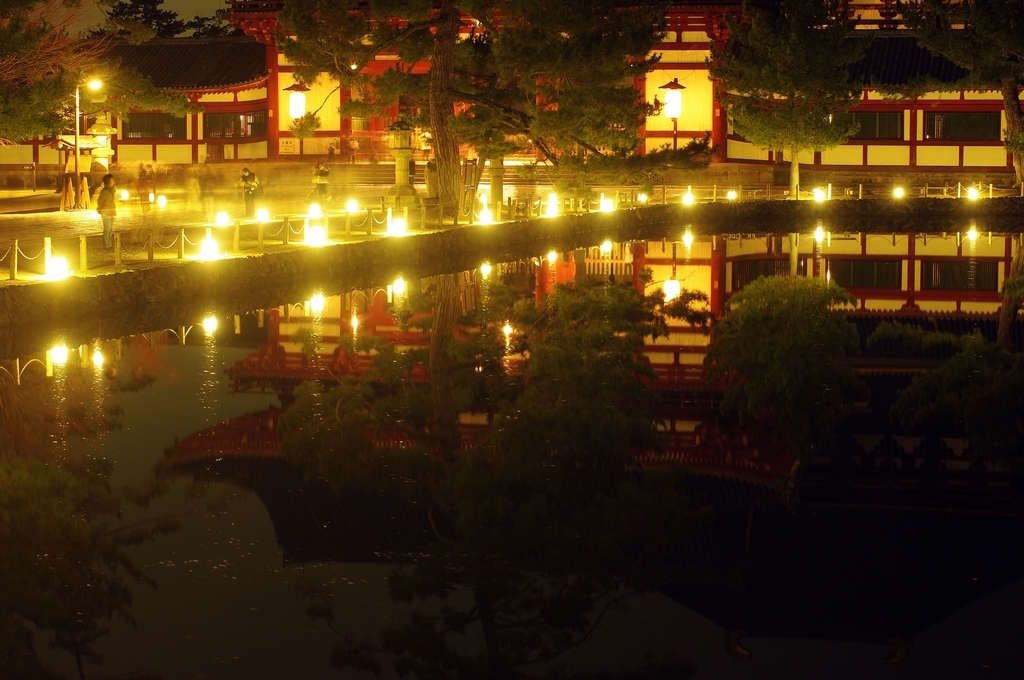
<point>93,85</point>
<point>674,107</point>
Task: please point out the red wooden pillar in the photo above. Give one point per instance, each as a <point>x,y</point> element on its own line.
<point>718,277</point>
<point>639,262</point>
<point>273,103</point>
<point>542,274</point>
<point>911,271</point>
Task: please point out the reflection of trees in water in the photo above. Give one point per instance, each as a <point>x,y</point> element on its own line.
<point>544,518</point>
<point>63,568</point>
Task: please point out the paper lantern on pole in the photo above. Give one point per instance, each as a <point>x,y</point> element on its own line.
<point>297,100</point>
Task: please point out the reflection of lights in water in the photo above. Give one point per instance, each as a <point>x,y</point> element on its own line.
<point>97,358</point>
<point>59,355</point>
<point>507,330</point>
<point>819,195</point>
<point>688,197</point>
<point>316,304</point>
<point>606,248</point>
<point>819,235</point>
<point>222,219</point>
<point>352,205</point>
<point>688,238</point>
<point>262,215</point>
<point>972,234</point>
<point>399,286</point>
<point>210,324</point>
<point>898,192</point>
<point>671,289</point>
<point>485,269</point>
<point>732,195</point>
<point>315,211</point>
<point>552,257</point>
<point>355,322</point>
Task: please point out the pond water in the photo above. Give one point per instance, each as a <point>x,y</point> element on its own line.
<point>824,591</point>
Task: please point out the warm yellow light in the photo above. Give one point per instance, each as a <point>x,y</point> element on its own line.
<point>95,84</point>
<point>355,322</point>
<point>124,194</point>
<point>673,103</point>
<point>688,197</point>
<point>97,358</point>
<point>507,329</point>
<point>297,104</point>
<point>208,250</point>
<point>59,355</point>
<point>316,236</point>
<point>352,205</point>
<point>315,210</point>
<point>210,324</point>
<point>399,286</point>
<point>353,66</point>
<point>898,192</point>
<point>152,197</point>
<point>732,195</point>
<point>605,204</point>
<point>485,269</point>
<point>688,238</point>
<point>671,289</point>
<point>161,201</point>
<point>606,248</point>
<point>552,208</point>
<point>222,219</point>
<point>397,227</point>
<point>101,140</point>
<point>972,194</point>
<point>552,257</point>
<point>819,195</point>
<point>972,234</point>
<point>485,215</point>
<point>262,215</point>
<point>57,268</point>
<point>819,235</point>
<point>642,198</point>
<point>316,304</point>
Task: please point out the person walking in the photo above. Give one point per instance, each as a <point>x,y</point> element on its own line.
<point>106,206</point>
<point>249,184</point>
<point>321,176</point>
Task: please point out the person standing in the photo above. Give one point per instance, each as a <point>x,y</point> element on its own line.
<point>249,184</point>
<point>331,150</point>
<point>353,147</point>
<point>320,179</point>
<point>106,206</point>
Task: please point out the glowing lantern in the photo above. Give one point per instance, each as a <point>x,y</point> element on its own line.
<point>688,197</point>
<point>552,257</point>
<point>315,210</point>
<point>688,238</point>
<point>819,235</point>
<point>399,286</point>
<point>262,215</point>
<point>819,195</point>
<point>297,100</point>
<point>210,324</point>
<point>606,248</point>
<point>124,194</point>
<point>316,304</point>
<point>485,269</point>
<point>552,208</point>
<point>605,204</point>
<point>316,236</point>
<point>972,234</point>
<point>59,355</point>
<point>642,198</point>
<point>671,289</point>
<point>161,201</point>
<point>222,219</point>
<point>898,192</point>
<point>57,268</point>
<point>97,358</point>
<point>972,194</point>
<point>732,195</point>
<point>352,205</point>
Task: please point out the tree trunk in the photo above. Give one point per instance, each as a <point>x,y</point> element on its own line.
<point>446,315</point>
<point>794,253</point>
<point>446,148</point>
<point>794,174</point>
<point>1011,304</point>
<point>1014,122</point>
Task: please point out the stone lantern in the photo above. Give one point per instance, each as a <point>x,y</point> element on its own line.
<point>101,132</point>
<point>401,149</point>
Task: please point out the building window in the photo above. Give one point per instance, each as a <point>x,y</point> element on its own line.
<point>154,126</point>
<point>867,273</point>
<point>247,124</point>
<point>360,124</point>
<point>878,124</point>
<point>974,125</point>
<point>959,275</point>
<point>745,271</point>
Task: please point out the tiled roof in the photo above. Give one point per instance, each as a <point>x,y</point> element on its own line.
<point>197,63</point>
<point>894,59</point>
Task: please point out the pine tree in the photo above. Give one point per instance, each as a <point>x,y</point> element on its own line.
<point>784,75</point>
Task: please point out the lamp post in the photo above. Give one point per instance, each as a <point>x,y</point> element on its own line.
<point>93,85</point>
<point>674,107</point>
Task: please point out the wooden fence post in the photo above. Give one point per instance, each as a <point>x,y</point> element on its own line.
<point>181,243</point>
<point>83,253</point>
<point>117,249</point>
<point>151,245</point>
<point>287,229</point>
<point>13,263</point>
